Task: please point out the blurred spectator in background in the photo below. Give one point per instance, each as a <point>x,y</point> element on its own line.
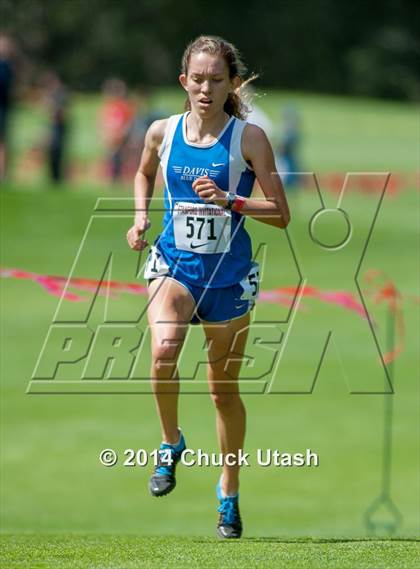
<point>260,118</point>
<point>287,156</point>
<point>116,119</point>
<point>256,115</point>
<point>6,84</point>
<point>57,105</point>
<point>142,119</point>
<point>145,115</point>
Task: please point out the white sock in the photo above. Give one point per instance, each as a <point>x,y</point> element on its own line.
<point>226,495</point>
<point>176,444</point>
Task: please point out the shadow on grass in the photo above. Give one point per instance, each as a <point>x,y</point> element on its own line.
<point>315,541</point>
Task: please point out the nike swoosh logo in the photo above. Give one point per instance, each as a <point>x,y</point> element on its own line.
<point>216,165</point>
<point>193,246</point>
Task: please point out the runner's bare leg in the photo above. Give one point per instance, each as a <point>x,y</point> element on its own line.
<point>169,312</point>
<point>226,346</point>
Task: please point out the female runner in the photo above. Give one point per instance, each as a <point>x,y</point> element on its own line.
<point>200,268</point>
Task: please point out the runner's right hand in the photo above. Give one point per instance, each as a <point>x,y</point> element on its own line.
<point>133,235</point>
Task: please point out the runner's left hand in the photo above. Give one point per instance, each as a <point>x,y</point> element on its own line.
<point>208,191</point>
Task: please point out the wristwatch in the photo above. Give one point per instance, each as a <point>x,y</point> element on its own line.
<point>231,198</point>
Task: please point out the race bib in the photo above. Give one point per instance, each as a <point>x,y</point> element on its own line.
<point>251,283</point>
<point>156,266</point>
<point>202,228</point>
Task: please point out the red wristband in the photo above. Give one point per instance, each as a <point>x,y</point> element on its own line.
<point>238,204</point>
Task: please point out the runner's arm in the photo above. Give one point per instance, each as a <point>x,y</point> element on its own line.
<point>256,150</point>
<point>144,182</point>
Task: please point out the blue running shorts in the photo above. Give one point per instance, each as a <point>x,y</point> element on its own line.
<point>211,304</point>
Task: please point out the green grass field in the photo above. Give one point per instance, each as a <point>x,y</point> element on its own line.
<point>61,508</point>
<point>114,552</point>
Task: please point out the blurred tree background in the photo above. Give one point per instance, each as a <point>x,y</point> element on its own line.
<point>362,48</point>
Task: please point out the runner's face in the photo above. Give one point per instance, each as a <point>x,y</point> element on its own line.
<point>207,83</point>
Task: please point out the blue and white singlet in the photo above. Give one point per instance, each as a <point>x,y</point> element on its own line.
<point>204,244</point>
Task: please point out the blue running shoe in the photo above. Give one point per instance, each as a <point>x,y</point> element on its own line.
<point>229,525</point>
<point>163,479</point>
